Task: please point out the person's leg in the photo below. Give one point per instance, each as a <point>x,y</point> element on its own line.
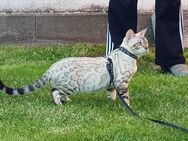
<point>122,15</point>
<point>168,36</point>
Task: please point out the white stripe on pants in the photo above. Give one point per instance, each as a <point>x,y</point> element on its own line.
<point>109,43</point>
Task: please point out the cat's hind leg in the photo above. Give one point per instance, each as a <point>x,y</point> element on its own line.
<point>59,96</point>
<point>65,98</point>
<point>56,95</point>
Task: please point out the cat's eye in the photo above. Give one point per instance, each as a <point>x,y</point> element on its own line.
<point>138,44</point>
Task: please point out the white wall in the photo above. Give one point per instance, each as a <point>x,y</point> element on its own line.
<point>64,5</point>
<point>57,5</point>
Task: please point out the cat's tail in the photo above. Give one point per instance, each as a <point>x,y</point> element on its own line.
<point>26,89</point>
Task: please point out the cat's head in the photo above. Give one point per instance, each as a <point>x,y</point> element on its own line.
<point>136,43</point>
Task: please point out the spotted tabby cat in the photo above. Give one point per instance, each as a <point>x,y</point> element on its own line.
<point>81,74</point>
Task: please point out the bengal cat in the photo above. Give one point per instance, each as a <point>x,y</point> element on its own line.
<point>84,74</point>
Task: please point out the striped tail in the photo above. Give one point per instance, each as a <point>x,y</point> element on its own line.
<point>27,89</point>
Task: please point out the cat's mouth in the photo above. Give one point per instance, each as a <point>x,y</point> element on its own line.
<point>146,51</point>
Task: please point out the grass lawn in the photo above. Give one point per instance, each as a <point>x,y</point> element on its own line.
<point>89,117</point>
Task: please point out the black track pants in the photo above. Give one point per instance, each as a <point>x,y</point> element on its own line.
<point>122,15</point>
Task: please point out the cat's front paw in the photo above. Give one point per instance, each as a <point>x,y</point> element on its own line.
<point>111,98</point>
<point>112,95</point>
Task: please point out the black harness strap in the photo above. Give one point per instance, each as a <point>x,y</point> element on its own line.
<point>110,63</point>
<point>164,123</point>
<point>128,52</point>
<point>110,70</point>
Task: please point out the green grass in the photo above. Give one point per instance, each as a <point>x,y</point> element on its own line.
<point>89,117</point>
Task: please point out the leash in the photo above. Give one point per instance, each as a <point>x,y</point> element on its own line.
<point>133,113</point>
<point>164,123</point>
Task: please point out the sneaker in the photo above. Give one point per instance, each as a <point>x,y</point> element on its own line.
<point>177,70</point>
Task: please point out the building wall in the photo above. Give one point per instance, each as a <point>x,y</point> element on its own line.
<point>65,5</point>
<point>33,20</point>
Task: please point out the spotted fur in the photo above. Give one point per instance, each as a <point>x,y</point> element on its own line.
<point>83,74</point>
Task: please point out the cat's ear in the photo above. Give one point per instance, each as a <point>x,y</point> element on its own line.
<point>143,32</point>
<point>130,34</point>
